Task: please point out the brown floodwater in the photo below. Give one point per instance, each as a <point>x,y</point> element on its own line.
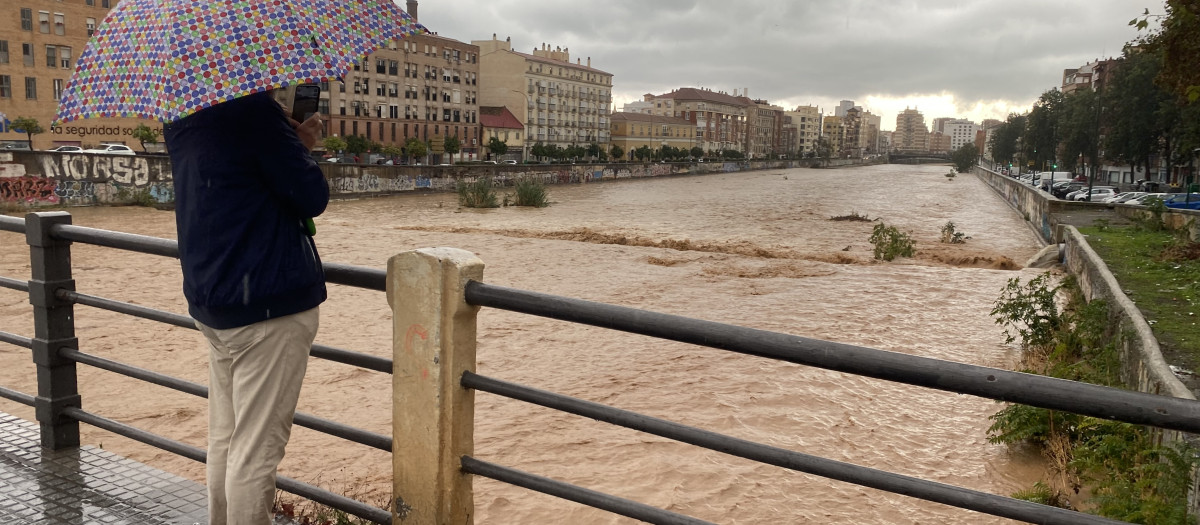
<point>756,249</point>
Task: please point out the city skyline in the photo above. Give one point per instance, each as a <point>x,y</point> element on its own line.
<point>950,58</point>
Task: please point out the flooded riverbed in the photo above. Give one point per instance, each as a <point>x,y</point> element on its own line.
<point>756,249</point>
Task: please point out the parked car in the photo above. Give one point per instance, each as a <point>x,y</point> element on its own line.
<point>508,161</point>
<point>1097,194</point>
<point>67,149</point>
<point>1144,200</point>
<point>1183,201</point>
<point>1064,191</point>
<point>1122,197</point>
<point>11,146</point>
<point>112,149</point>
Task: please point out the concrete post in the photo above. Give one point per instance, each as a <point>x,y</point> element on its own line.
<point>433,343</point>
<point>53,328</point>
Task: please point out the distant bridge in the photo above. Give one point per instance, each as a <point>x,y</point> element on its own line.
<point>918,158</point>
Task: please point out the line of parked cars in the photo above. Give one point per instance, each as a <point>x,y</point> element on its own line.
<point>105,149</point>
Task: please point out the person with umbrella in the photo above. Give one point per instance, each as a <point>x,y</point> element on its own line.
<point>246,188</point>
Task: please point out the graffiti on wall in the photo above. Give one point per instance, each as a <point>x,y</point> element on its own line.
<point>124,169</point>
<point>28,189</point>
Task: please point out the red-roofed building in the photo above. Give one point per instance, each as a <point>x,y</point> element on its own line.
<point>500,123</point>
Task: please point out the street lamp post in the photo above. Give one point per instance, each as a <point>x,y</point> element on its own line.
<point>525,141</point>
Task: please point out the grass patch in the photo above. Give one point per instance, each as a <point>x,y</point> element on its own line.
<point>1160,272</point>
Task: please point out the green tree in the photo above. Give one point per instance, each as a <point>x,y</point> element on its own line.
<point>538,150</point>
<point>144,134</point>
<point>1178,42</point>
<point>593,150</point>
<point>357,144</point>
<point>334,144</point>
<point>392,150</point>
<point>497,147</point>
<point>29,126</point>
<point>964,158</point>
<point>452,147</point>
<point>1138,111</point>
<point>374,147</point>
<point>1042,129</point>
<point>642,153</point>
<point>416,148</point>
<point>1005,138</point>
<point>616,152</point>
<point>1080,123</point>
<point>697,152</point>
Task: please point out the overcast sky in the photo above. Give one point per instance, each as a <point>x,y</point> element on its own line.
<point>948,58</point>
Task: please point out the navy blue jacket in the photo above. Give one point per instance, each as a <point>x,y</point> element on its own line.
<point>243,185</point>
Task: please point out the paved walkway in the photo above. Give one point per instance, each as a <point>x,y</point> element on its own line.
<point>87,485</point>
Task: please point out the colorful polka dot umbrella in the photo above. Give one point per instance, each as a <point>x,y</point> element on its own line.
<point>166,59</point>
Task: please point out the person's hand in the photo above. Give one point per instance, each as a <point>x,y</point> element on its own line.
<point>309,131</point>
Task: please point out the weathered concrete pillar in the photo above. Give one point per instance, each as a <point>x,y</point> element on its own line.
<point>433,343</point>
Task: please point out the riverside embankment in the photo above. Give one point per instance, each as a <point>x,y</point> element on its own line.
<point>41,178</point>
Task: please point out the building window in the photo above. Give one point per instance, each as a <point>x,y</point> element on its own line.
<point>27,53</point>
<point>91,26</point>
<point>44,21</point>
<point>380,66</point>
<point>59,24</point>
<point>51,56</point>
<point>30,88</point>
<point>91,2</point>
<point>26,19</point>
<point>3,51</point>
<point>58,88</point>
<point>64,55</point>
<point>5,86</point>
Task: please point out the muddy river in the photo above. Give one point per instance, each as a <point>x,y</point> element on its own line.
<point>756,249</point>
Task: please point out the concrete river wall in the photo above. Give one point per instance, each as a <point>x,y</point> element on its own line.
<point>40,178</point>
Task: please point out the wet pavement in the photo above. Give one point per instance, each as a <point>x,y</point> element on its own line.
<point>87,485</point>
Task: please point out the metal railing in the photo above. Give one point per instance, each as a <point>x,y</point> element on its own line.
<point>454,276</point>
<point>57,291</point>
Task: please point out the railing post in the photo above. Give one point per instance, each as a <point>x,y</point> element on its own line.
<point>433,343</point>
<point>54,328</point>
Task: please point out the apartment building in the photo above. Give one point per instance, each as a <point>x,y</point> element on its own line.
<point>911,135</point>
<point>559,102</point>
<point>631,131</point>
<point>1092,75</point>
<point>960,131</point>
<point>939,142</point>
<point>424,87</point>
<point>833,132</point>
<point>807,120</point>
<point>720,118</point>
<point>764,132</point>
<point>40,40</point>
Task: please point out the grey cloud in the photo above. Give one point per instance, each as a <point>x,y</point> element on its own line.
<point>828,49</point>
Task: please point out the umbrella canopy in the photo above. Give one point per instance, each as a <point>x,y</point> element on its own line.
<point>166,59</point>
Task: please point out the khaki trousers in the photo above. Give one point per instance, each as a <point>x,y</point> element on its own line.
<point>255,374</point>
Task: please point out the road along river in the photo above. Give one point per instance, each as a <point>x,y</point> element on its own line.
<point>756,249</point>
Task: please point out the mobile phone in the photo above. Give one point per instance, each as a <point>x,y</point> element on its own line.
<point>304,103</point>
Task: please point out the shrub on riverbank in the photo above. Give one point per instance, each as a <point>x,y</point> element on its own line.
<point>477,194</point>
<point>530,192</point>
<point>1129,475</point>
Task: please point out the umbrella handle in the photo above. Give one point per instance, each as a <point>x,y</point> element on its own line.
<point>310,227</point>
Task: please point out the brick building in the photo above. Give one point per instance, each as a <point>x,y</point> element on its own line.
<point>40,40</point>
